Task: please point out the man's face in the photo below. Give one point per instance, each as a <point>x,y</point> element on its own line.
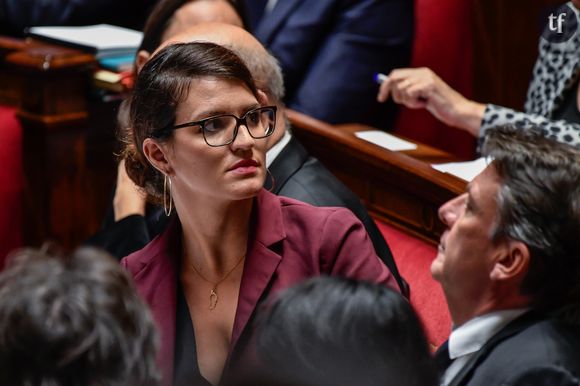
<point>466,252</point>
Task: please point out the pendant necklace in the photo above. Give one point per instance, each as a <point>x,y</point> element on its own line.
<point>213,295</point>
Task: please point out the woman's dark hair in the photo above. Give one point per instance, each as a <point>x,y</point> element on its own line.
<point>162,84</point>
<point>331,331</point>
<point>160,19</point>
<point>73,320</point>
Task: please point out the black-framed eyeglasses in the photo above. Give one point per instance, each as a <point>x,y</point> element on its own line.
<point>221,130</point>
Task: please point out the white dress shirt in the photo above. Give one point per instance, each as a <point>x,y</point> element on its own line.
<point>277,148</point>
<point>466,340</point>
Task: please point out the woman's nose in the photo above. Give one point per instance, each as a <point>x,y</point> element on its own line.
<point>451,210</point>
<point>243,138</point>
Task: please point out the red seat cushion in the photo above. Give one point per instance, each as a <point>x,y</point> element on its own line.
<point>11,182</point>
<point>413,257</point>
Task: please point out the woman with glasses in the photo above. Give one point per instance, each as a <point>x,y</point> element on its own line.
<point>198,146</point>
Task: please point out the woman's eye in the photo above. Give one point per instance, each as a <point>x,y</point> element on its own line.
<point>253,118</point>
<point>216,124</point>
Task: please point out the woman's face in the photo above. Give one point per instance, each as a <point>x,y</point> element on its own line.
<point>231,172</point>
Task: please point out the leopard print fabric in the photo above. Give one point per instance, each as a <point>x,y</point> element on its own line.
<point>556,71</point>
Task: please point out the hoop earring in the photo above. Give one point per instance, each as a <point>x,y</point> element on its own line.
<point>167,196</point>
<point>273,183</point>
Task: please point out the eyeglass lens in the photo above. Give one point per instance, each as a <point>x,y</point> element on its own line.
<point>220,130</point>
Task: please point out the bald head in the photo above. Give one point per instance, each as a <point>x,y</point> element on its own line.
<point>198,12</point>
<point>263,66</point>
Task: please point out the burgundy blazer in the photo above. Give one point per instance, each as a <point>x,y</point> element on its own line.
<point>290,241</point>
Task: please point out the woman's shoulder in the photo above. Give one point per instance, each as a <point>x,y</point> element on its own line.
<point>160,245</point>
<point>303,214</point>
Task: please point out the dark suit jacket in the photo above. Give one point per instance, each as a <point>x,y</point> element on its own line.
<point>291,241</point>
<point>529,351</point>
<point>329,51</point>
<point>302,177</point>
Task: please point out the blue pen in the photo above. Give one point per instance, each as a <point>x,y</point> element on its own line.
<point>380,78</point>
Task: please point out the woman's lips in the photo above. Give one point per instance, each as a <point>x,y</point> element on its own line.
<point>245,166</point>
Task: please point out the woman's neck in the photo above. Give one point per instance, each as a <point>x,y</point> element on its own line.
<point>215,234</point>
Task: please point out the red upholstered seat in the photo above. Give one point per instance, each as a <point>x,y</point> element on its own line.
<point>413,257</point>
<point>443,42</point>
<point>11,183</point>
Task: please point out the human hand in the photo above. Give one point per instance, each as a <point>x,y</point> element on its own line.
<point>418,88</point>
<point>129,199</point>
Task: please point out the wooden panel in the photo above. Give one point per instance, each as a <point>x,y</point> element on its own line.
<point>400,188</point>
<point>67,140</point>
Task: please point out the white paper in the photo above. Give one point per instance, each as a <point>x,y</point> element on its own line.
<point>102,37</point>
<point>386,140</point>
<point>464,170</point>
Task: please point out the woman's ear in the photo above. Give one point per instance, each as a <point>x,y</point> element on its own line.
<point>263,98</point>
<point>156,155</point>
<point>514,264</point>
<point>142,58</point>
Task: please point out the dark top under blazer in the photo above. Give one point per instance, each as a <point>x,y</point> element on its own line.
<point>291,241</point>
<point>530,351</point>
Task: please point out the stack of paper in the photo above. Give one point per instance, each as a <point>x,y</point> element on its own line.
<point>103,40</point>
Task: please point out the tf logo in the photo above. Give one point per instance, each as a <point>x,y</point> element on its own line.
<point>562,25</point>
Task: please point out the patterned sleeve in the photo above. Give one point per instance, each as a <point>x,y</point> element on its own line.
<point>560,130</point>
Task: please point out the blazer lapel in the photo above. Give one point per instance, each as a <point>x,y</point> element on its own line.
<point>288,162</point>
<point>261,261</point>
<point>271,22</point>
<point>157,282</point>
<point>516,326</point>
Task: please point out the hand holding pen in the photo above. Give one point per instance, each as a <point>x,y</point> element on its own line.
<point>418,88</point>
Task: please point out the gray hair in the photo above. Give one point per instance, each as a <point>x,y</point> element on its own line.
<point>265,70</point>
<point>539,205</point>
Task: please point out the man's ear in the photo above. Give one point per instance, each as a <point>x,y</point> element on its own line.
<point>514,262</point>
<point>263,98</point>
<point>156,155</point>
<point>142,58</point>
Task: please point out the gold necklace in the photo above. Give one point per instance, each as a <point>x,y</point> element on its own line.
<point>213,296</point>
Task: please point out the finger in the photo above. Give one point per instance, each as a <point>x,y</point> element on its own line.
<point>401,89</point>
<point>400,74</point>
<point>396,94</point>
<point>384,91</point>
<point>417,96</point>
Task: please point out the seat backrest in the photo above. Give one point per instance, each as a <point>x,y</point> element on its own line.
<point>444,43</point>
<point>11,182</point>
<point>413,257</point>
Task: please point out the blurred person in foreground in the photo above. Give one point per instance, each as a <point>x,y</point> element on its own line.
<point>73,320</point>
<point>340,332</point>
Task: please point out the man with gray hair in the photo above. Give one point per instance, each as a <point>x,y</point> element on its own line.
<point>509,265</point>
